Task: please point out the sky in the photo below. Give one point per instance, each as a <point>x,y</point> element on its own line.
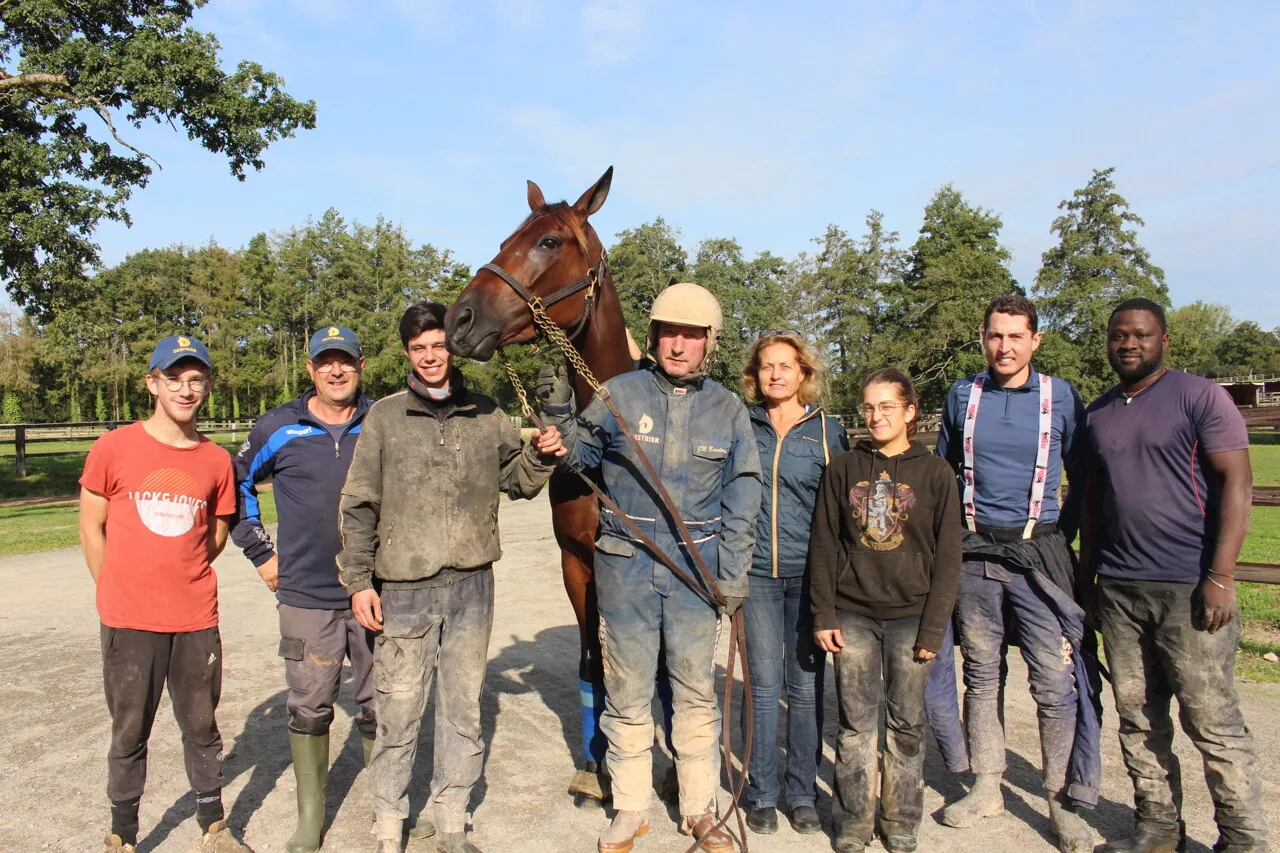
<point>758,121</point>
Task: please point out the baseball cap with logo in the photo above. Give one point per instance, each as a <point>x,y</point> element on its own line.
<point>334,337</point>
<point>175,348</point>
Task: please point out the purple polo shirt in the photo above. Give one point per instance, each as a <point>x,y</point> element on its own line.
<point>1160,510</point>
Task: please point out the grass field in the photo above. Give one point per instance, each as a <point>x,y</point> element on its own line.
<point>1265,459</point>
<point>47,527</point>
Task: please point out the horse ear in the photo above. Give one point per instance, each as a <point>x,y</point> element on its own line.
<point>536,201</point>
<point>593,199</point>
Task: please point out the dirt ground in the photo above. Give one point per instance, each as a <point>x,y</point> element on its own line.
<point>55,730</point>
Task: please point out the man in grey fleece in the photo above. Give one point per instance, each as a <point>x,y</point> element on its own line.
<point>419,524</point>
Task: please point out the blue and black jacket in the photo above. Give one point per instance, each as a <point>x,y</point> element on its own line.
<point>308,468</point>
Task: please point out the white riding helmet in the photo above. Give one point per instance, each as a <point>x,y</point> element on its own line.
<point>687,304</point>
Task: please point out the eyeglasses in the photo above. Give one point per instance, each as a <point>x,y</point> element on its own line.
<point>764,333</point>
<point>335,367</point>
<point>198,384</point>
<point>884,409</point>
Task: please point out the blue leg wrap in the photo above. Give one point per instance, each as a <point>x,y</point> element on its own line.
<point>594,743</point>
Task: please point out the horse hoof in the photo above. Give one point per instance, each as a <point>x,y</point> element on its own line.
<point>593,786</point>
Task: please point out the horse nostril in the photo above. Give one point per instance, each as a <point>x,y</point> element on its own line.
<point>462,320</point>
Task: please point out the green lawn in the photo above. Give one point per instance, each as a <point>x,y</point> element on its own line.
<point>57,476</point>
<point>47,527</point>
<point>1265,459</point>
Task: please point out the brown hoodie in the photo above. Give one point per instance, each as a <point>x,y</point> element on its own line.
<point>886,538</point>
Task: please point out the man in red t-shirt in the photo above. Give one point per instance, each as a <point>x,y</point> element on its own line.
<point>156,504</point>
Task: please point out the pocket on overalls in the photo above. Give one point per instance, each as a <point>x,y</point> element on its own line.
<point>292,648</point>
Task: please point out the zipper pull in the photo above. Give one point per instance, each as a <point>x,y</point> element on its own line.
<point>337,450</point>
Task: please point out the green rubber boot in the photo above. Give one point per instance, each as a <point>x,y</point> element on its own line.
<point>311,770</point>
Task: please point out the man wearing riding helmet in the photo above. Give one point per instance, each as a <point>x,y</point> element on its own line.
<point>698,437</point>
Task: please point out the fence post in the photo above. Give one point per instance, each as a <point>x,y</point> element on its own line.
<point>20,453</point>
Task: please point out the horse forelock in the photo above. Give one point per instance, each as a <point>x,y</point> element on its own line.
<point>564,216</point>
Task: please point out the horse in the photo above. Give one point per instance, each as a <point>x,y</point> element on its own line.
<point>552,252</point>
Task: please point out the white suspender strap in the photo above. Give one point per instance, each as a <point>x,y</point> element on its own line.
<point>970,420</point>
<point>1043,441</point>
<point>1042,455</point>
<point>826,451</point>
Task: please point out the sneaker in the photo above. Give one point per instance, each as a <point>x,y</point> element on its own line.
<point>219,840</point>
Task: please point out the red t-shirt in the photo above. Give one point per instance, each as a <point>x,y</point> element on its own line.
<point>156,575</point>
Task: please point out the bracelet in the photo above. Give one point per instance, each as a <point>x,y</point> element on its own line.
<point>1231,588</point>
<point>1222,574</point>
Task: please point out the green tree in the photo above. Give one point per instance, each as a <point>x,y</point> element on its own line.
<point>12,407</point>
<point>1195,333</point>
<point>62,61</point>
<point>644,261</point>
<point>933,318</point>
<point>1248,349</point>
<point>751,299</point>
<point>100,406</point>
<point>1096,264</point>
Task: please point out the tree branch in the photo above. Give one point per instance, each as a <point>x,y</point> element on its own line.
<point>98,107</point>
<point>33,81</point>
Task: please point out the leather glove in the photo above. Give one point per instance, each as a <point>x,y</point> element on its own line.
<point>553,387</point>
<point>731,604</point>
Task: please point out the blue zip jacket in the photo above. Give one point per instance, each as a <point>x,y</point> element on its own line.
<point>700,442</point>
<point>789,472</point>
<point>1005,438</point>
<point>308,469</point>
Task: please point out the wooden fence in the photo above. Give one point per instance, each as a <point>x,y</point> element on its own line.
<point>22,435</point>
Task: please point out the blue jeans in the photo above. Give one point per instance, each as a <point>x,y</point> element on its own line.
<point>781,650</point>
<point>942,705</point>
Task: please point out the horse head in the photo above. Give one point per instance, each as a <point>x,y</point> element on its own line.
<point>553,249</point>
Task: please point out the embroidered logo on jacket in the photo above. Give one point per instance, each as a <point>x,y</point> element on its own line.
<point>879,509</point>
<point>646,425</point>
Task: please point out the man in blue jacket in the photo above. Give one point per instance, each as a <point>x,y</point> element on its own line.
<point>305,446</point>
<point>1009,431</point>
<point>698,437</point>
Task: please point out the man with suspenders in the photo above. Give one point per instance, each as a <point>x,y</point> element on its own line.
<point>1008,432</point>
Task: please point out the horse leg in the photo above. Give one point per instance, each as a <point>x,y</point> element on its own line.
<point>575,517</point>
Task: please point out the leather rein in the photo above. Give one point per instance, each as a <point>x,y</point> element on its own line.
<point>705,585</point>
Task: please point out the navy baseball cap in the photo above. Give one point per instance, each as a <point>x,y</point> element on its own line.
<point>175,348</point>
<point>334,337</point>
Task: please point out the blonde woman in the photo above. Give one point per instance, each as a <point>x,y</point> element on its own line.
<point>795,439</point>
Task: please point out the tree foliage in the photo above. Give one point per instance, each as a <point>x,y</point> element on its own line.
<point>69,71</point>
<point>1097,263</point>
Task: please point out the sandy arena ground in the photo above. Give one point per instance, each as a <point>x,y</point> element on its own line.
<point>55,731</point>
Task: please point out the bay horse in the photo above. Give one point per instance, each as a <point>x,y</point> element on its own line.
<point>554,249</point>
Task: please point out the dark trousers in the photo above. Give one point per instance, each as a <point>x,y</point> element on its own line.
<point>314,644</point>
<point>985,589</point>
<point>1156,653</point>
<point>136,666</point>
<point>782,652</point>
<point>876,670</point>
<point>445,628</point>
<point>942,705</point>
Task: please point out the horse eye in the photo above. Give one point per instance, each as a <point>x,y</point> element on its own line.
<point>549,243</point>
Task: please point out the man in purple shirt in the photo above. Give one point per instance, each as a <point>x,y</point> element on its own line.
<point>1166,512</point>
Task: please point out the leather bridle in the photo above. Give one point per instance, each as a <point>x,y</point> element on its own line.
<point>589,282</point>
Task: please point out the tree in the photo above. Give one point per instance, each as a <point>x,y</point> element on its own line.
<point>100,61</point>
<point>750,296</point>
<point>1096,264</point>
<point>1248,349</point>
<point>839,296</point>
<point>1195,333</point>
<point>644,261</point>
<point>933,317</point>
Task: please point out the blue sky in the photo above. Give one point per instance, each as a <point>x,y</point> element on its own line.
<point>755,121</point>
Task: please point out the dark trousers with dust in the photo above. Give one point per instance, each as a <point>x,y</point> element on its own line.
<point>986,588</point>
<point>1156,653</point>
<point>314,644</point>
<point>876,669</point>
<point>136,666</point>
<point>445,628</point>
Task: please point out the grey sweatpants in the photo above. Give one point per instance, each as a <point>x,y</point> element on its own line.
<point>447,628</point>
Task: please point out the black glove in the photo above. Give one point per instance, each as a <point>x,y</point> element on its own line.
<point>731,604</point>
<point>553,387</point>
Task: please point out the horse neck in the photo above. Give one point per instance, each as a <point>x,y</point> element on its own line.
<point>603,341</point>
